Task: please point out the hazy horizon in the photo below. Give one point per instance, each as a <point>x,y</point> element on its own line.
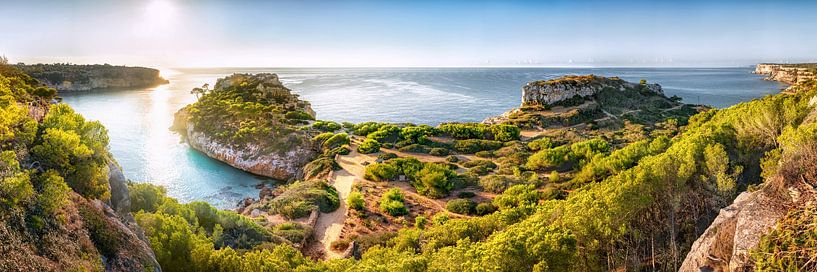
<point>371,34</point>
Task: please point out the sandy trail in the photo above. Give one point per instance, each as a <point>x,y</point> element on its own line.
<point>330,225</point>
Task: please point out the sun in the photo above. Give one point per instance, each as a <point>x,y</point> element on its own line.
<point>160,10</point>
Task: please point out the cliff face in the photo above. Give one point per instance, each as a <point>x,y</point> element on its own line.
<point>90,77</point>
<point>267,143</point>
<point>556,90</point>
<point>787,73</point>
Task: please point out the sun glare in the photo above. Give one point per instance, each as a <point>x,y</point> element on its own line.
<point>160,10</point>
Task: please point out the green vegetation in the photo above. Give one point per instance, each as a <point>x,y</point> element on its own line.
<point>461,206</point>
<point>499,132</point>
<point>430,179</point>
<point>355,201</point>
<point>298,199</point>
<point>791,245</point>
<point>392,202</point>
<point>368,146</point>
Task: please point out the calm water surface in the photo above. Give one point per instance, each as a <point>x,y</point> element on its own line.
<point>138,120</point>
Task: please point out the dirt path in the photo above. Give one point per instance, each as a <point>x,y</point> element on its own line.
<point>330,225</point>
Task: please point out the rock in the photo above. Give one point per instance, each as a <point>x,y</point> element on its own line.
<point>787,73</point>
<point>724,246</point>
<point>546,92</point>
<point>120,197</point>
<point>134,253</point>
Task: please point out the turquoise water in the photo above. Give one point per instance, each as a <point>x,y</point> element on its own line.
<point>138,120</point>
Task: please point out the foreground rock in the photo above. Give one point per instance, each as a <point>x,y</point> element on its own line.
<point>69,77</point>
<point>250,122</point>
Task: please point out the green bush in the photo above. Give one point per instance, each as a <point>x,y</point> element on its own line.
<point>452,159</point>
<point>300,198</point>
<point>480,163</point>
<point>437,151</point>
<point>327,126</point>
<point>497,183</point>
<point>356,201</point>
<point>368,146</point>
<point>385,156</point>
<point>461,206</point>
<point>474,145</point>
<point>145,196</point>
<point>381,172</point>
<point>465,194</point>
<point>392,202</point>
<point>518,195</point>
<point>540,144</point>
<point>485,154</point>
<point>298,115</point>
<point>484,208</point>
<point>420,222</point>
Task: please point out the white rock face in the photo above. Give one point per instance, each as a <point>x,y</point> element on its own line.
<point>252,159</point>
<point>545,93</point>
<point>786,73</point>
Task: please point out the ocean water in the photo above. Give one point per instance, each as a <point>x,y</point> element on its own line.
<point>138,120</point>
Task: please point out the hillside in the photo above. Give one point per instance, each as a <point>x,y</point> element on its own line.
<point>65,205</point>
<point>72,77</point>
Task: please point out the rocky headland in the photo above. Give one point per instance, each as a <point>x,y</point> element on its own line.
<point>70,77</point>
<point>258,133</point>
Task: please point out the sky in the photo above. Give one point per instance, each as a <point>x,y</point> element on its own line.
<point>307,33</point>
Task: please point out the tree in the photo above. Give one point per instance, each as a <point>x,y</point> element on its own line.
<point>198,92</point>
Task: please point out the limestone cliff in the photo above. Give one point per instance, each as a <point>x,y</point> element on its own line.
<point>545,92</point>
<point>265,140</point>
<point>67,77</point>
<point>787,73</point>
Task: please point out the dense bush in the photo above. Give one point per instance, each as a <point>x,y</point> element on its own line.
<point>437,151</point>
<point>461,206</point>
<point>327,126</point>
<point>499,132</point>
<point>518,195</point>
<point>498,183</point>
<point>298,115</point>
<point>392,202</point>
<point>368,146</point>
<point>452,159</point>
<point>385,156</point>
<point>415,148</point>
<point>484,208</point>
<point>474,145</point>
<point>356,201</point>
<point>540,144</point>
<point>300,198</point>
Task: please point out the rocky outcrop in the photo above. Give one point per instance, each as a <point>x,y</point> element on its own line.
<point>787,73</point>
<point>251,158</point>
<point>546,92</point>
<point>68,77</point>
<point>280,154</point>
<point>725,245</point>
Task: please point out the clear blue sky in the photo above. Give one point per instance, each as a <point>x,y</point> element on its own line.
<point>180,33</point>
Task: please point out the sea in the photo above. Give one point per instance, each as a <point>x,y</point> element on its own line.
<point>138,120</point>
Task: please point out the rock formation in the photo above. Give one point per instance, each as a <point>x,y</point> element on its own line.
<point>787,73</point>
<point>279,154</point>
<point>67,77</point>
<point>546,92</point>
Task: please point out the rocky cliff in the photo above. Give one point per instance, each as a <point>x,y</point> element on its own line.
<point>545,92</point>
<point>787,73</point>
<point>259,135</point>
<point>67,77</point>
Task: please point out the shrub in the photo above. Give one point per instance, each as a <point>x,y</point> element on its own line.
<point>553,177</point>
<point>392,202</point>
<point>368,146</point>
<point>336,140</point>
<point>504,132</point>
<point>540,144</point>
<point>356,201</point>
<point>485,154</point>
<point>434,180</point>
<point>452,159</point>
<point>298,115</point>
<point>328,126</point>
<point>518,195</point>
<point>415,148</point>
<point>545,158</point>
<point>385,156</point>
<point>300,198</point>
<point>497,183</point>
<point>465,194</point>
<point>485,208</point>
<point>480,163</point>
<point>381,172</point>
<point>474,145</point>
<point>439,219</point>
<point>461,206</point>
<point>145,196</point>
<point>420,222</point>
<point>437,151</point>
<point>386,133</point>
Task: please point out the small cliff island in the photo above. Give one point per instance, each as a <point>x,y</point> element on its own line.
<point>73,77</point>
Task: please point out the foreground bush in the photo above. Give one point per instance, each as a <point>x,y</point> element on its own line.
<point>461,206</point>
<point>392,202</point>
